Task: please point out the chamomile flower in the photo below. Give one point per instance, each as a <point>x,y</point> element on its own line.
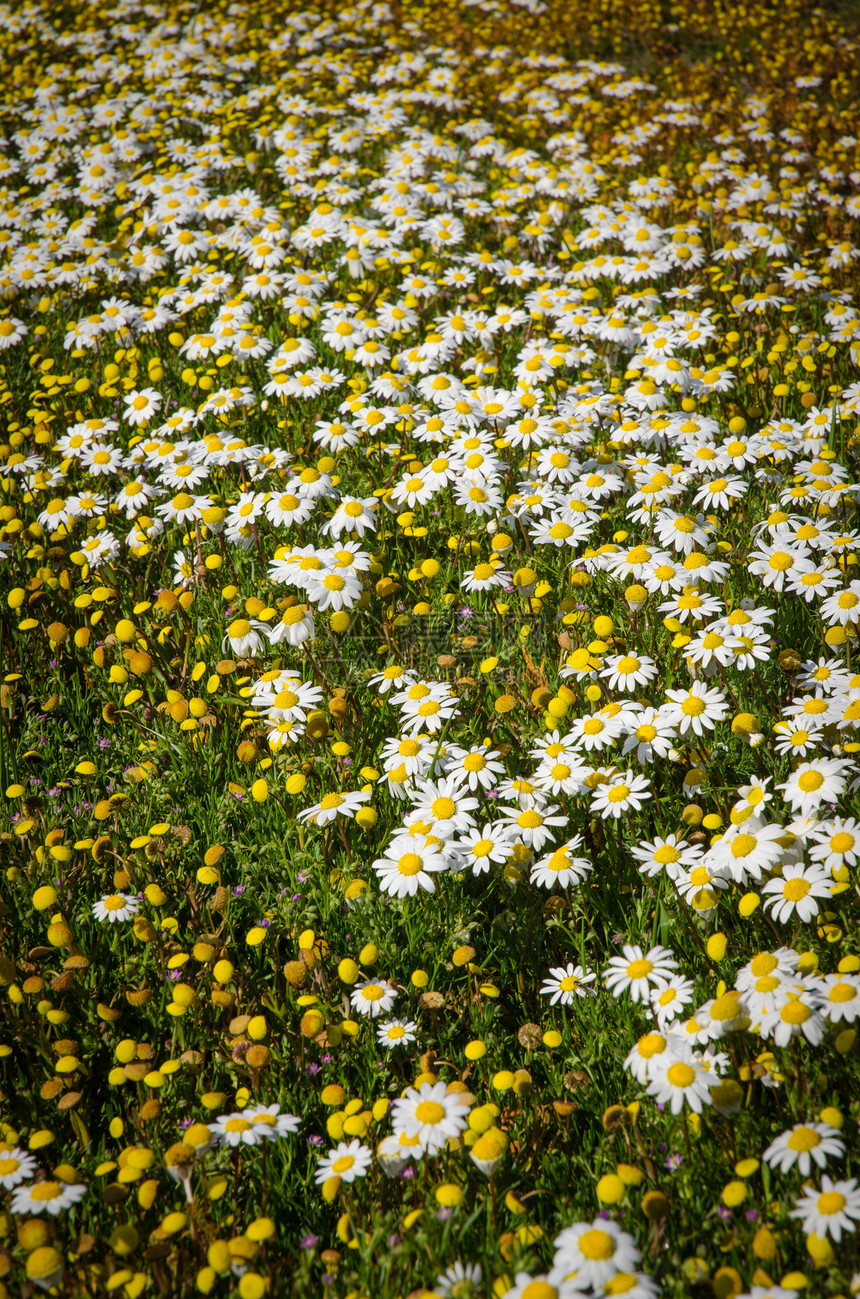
<point>346,1160</point>
<point>813,783</point>
<point>669,997</point>
<point>482,846</point>
<point>533,826</point>
<point>16,1166</point>
<point>245,637</point>
<point>839,997</point>
<point>593,1252</point>
<point>830,1210</point>
<point>696,710</point>
<point>373,997</point>
<point>676,1083</point>
<point>408,866</point>
<point>836,843</point>
<point>635,971</point>
<point>566,983</point>
<point>650,734</point>
<point>620,794</point>
<point>294,627</point>
<point>627,671</point>
<point>804,1145</point>
<point>659,855</point>
<point>272,1122</point>
<point>48,1197</point>
<point>478,767</point>
<point>796,891</point>
<point>746,850</point>
<point>431,1113</point>
<point>238,1129</point>
<point>643,1056</point>
<point>396,1032</point>
<point>446,804</point>
<point>561,867</point>
<point>459,1281</point>
<point>333,805</point>
<point>115,908</point>
<point>795,1014</point>
<point>526,1286</point>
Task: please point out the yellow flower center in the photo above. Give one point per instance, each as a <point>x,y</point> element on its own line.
<point>237,1125</point>
<point>429,1112</point>
<point>618,793</point>
<point>666,854</point>
<point>803,1139</point>
<point>596,1245</point>
<point>539,1290</point>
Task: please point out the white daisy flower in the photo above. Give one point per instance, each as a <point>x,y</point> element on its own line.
<point>804,1145</point>
<point>566,982</point>
<point>115,907</point>
<point>346,1161</point>
<point>373,998</point>
<point>396,1032</point>
<point>431,1113</point>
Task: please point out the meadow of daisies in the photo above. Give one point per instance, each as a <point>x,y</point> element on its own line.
<point>429,690</point>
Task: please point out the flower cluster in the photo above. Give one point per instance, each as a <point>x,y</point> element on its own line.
<point>430,707</point>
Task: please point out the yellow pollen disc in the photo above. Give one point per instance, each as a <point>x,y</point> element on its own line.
<point>680,1074</point>
<point>429,1112</point>
<point>803,1139</point>
<point>596,1245</point>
